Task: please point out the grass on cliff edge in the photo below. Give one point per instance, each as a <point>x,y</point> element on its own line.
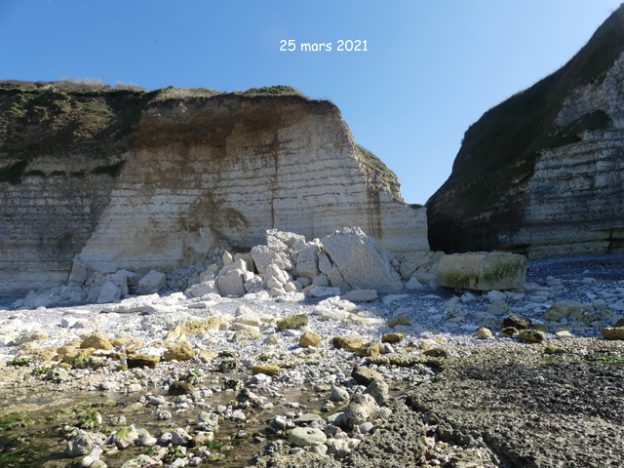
<point>387,178</point>
<point>277,90</point>
<point>500,149</point>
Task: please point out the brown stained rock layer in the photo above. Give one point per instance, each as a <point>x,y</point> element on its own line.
<point>140,180</point>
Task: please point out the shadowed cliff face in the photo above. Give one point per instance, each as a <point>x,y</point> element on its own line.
<point>541,173</point>
<point>138,180</point>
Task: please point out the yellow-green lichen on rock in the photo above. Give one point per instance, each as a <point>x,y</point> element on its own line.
<point>482,271</point>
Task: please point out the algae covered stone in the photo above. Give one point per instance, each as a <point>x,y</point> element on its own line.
<point>309,339</point>
<point>531,336</point>
<point>516,321</point>
<point>181,387</point>
<point>613,333</point>
<point>267,369</point>
<point>293,322</point>
<point>195,327</point>
<point>401,320</point>
<point>97,340</point>
<point>247,334</point>
<point>180,351</point>
<point>142,360</point>
<point>482,271</point>
<point>365,375</point>
<point>350,343</point>
<point>392,338</point>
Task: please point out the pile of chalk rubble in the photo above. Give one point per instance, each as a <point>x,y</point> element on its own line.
<point>347,263</point>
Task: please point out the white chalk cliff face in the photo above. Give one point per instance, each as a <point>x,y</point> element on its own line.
<point>543,172</point>
<point>576,195</point>
<point>159,179</point>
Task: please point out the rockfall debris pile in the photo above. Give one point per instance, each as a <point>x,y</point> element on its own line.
<point>347,263</point>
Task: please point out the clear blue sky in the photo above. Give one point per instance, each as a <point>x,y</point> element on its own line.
<point>432,69</point>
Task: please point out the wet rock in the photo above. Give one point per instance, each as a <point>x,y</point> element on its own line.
<point>392,338</point>
<point>181,387</point>
<point>163,415</point>
<point>516,321</point>
<point>83,443</point>
<point>554,349</point>
<point>309,339</point>
<point>156,400</point>
<point>437,352</point>
<point>279,423</point>
<point>564,310</point>
<point>401,320</point>
<point>93,459</point>
<point>509,331</point>
<point>142,360</point>
<point>57,375</point>
<point>125,437</point>
<point>365,375</point>
<point>180,437</point>
<point>307,436</point>
<point>531,336</point>
<point>145,439</point>
<point>613,333</point>
<point>90,421</point>
<point>483,333</point>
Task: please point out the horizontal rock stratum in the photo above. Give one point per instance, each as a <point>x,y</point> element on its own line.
<point>543,172</point>
<point>122,178</point>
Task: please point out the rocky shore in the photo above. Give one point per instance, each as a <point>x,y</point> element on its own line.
<point>430,376</point>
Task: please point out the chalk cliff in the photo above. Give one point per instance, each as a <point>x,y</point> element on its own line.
<point>121,178</point>
<point>543,172</point>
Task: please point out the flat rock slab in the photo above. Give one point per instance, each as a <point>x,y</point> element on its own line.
<point>532,409</point>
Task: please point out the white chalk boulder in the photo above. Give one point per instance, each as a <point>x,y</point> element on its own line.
<point>359,261</point>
